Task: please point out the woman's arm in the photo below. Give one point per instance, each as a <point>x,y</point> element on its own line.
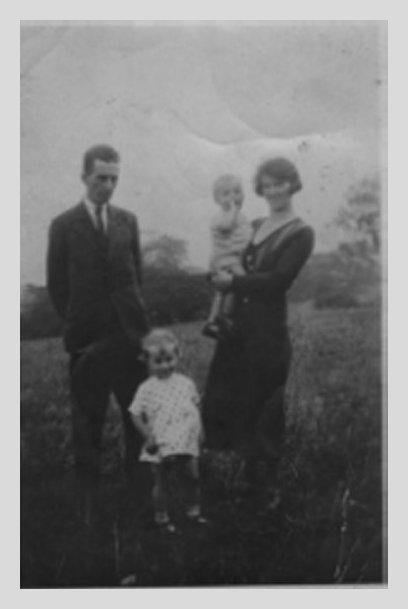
<point>280,278</point>
<point>196,400</point>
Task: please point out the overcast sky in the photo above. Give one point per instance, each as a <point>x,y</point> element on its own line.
<point>186,102</point>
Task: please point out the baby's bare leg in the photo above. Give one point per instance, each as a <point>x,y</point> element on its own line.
<point>159,494</point>
<point>192,486</point>
<point>227,304</point>
<point>216,307</point>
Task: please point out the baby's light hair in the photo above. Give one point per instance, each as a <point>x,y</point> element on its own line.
<point>226,178</point>
<point>160,340</point>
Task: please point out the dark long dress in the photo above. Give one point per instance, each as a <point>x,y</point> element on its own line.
<point>243,402</point>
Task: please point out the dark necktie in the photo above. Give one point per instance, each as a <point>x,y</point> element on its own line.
<point>99,222</point>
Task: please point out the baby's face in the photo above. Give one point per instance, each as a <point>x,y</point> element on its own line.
<point>229,194</point>
<point>162,362</point>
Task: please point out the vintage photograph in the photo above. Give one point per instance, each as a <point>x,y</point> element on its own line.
<point>203,269</point>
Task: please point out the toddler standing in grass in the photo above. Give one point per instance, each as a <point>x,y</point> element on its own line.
<point>230,233</point>
<point>166,411</point>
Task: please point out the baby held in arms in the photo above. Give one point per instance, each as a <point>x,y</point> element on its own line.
<point>230,233</point>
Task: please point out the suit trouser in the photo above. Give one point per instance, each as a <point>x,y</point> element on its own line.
<point>109,365</point>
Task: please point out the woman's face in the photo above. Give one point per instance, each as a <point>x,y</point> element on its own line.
<point>276,193</point>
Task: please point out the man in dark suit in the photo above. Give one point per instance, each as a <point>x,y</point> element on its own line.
<point>94,277</point>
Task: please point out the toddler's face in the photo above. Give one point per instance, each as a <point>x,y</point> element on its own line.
<point>228,194</point>
<point>163,362</point>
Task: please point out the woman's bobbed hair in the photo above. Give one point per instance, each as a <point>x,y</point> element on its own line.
<point>281,170</point>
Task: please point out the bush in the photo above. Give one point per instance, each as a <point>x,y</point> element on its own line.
<point>332,280</point>
<point>38,318</point>
<point>174,295</point>
<point>171,295</point>
<point>336,279</point>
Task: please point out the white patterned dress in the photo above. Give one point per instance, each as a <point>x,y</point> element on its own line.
<point>170,408</point>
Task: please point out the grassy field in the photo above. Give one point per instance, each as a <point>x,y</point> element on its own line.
<point>329,528</point>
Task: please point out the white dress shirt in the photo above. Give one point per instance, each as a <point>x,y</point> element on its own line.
<point>90,207</point>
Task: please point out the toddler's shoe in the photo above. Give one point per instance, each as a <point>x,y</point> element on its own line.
<point>194,515</point>
<point>167,527</point>
<point>197,519</point>
<point>163,523</point>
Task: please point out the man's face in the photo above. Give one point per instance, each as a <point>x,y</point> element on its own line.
<point>101,182</point>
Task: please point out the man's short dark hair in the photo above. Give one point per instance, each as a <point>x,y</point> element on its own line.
<point>100,152</point>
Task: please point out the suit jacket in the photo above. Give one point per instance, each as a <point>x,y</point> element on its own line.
<point>93,280</point>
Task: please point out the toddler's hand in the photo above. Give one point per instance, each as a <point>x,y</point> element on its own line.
<point>151,445</point>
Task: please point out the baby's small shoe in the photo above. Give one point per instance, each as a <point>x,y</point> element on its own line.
<point>211,329</point>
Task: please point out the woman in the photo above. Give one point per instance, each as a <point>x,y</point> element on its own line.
<point>243,403</point>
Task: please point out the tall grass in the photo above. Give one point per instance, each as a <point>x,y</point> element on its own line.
<point>329,528</point>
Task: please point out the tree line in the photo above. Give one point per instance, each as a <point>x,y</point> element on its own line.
<point>345,277</point>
